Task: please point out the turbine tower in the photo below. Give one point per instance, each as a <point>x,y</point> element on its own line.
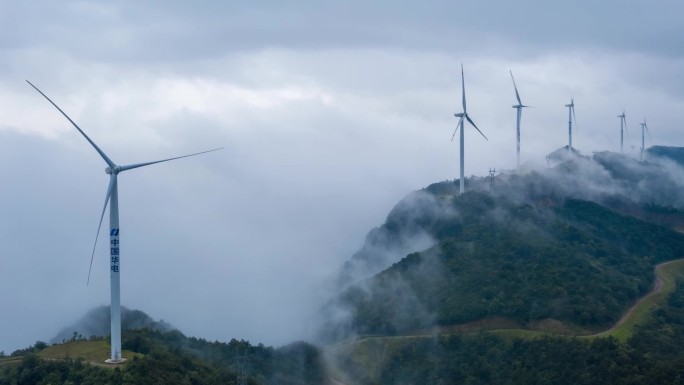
<point>571,118</point>
<point>623,128</point>
<point>518,108</point>
<point>643,138</point>
<point>463,116</point>
<point>111,197</point>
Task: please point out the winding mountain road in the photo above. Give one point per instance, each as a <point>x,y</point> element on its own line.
<point>629,316</point>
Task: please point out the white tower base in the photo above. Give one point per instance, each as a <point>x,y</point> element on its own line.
<point>120,361</point>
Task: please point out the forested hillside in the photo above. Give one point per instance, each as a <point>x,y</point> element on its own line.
<point>569,247</point>
<point>172,358</point>
<point>562,252</point>
<point>653,355</point>
<point>579,263</point>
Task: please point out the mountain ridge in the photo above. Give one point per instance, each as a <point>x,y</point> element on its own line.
<point>599,219</point>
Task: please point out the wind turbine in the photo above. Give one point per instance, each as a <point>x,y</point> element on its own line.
<point>114,257</point>
<point>623,128</point>
<point>518,108</point>
<point>643,139</point>
<point>571,118</point>
<point>464,116</point>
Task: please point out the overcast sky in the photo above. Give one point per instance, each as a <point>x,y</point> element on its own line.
<point>329,112</point>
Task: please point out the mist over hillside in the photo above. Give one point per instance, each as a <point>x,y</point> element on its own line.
<point>570,245</point>
<point>97,323</point>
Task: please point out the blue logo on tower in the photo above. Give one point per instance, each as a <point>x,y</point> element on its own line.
<point>114,251</point>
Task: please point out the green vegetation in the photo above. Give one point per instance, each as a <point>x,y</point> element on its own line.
<point>156,357</point>
<point>670,273</point>
<point>653,355</point>
<point>521,281</point>
<point>575,264</point>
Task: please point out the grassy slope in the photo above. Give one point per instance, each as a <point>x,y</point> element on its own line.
<point>670,273</point>
<point>10,361</point>
<point>95,352</point>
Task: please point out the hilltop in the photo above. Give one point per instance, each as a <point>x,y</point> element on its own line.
<point>162,357</point>
<point>576,266</point>
<point>96,323</point>
<point>498,284</point>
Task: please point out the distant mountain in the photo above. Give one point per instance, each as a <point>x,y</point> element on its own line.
<point>97,323</point>
<point>675,154</point>
<point>570,246</point>
<point>563,154</point>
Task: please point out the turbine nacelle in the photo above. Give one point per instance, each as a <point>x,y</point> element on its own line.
<point>110,171</point>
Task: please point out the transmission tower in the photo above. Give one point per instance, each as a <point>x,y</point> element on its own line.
<point>241,373</point>
<point>492,171</point>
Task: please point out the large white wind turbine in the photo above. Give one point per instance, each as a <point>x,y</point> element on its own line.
<point>571,119</point>
<point>463,116</point>
<point>643,138</point>
<point>518,108</point>
<point>111,198</point>
<point>623,128</point>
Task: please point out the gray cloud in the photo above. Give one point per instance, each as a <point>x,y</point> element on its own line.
<point>330,113</point>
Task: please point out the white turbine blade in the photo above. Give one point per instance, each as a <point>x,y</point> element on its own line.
<point>132,166</point>
<point>647,131</point>
<point>112,180</point>
<point>457,127</point>
<point>102,154</point>
<point>473,123</point>
<point>574,119</point>
<point>517,96</point>
<point>463,100</point>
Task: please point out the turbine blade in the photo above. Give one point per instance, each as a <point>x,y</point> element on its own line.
<point>517,96</point>
<point>112,181</point>
<point>473,123</point>
<point>574,119</point>
<point>102,154</point>
<point>457,127</point>
<point>463,100</point>
<point>132,166</point>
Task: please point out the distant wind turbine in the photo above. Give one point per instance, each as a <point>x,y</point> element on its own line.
<point>464,116</point>
<point>114,246</point>
<point>643,138</point>
<point>623,128</point>
<point>518,108</point>
<point>571,118</point>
